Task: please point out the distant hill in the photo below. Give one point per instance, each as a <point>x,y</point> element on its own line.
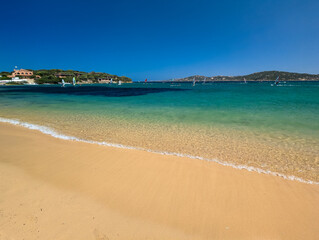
<point>259,76</point>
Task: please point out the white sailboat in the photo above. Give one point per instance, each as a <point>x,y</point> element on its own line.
<point>120,82</point>
<point>245,80</point>
<point>73,81</point>
<point>194,82</point>
<point>204,80</point>
<point>63,83</point>
<point>111,80</point>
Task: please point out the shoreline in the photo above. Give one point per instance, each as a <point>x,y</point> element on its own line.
<point>53,133</point>
<point>60,189</point>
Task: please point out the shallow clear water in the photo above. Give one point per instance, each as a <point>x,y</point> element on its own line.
<point>272,127</point>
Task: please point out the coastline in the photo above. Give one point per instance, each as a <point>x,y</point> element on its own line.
<point>53,188</point>
<point>53,133</point>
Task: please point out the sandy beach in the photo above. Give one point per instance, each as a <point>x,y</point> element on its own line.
<point>58,189</point>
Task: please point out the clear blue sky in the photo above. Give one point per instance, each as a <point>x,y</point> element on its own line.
<point>161,39</point>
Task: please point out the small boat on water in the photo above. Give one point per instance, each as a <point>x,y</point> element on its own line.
<point>145,80</point>
<point>63,83</point>
<point>245,80</point>
<point>204,80</point>
<point>73,81</point>
<point>194,82</point>
<point>111,81</point>
<point>120,82</point>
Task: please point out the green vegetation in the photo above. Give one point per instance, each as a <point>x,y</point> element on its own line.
<point>55,76</point>
<point>47,79</point>
<point>284,76</point>
<point>259,76</point>
<point>4,75</point>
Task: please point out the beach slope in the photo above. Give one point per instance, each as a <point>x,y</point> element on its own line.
<point>58,189</point>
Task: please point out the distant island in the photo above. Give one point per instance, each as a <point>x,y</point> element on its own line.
<point>55,76</point>
<point>258,76</point>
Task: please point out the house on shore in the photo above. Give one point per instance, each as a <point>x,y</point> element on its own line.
<point>21,73</point>
<point>20,76</point>
<point>104,80</point>
<point>64,75</point>
<point>68,74</point>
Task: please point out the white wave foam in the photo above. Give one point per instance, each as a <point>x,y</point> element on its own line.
<point>53,133</point>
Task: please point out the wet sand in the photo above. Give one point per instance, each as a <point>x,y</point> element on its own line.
<point>290,156</point>
<point>57,189</point>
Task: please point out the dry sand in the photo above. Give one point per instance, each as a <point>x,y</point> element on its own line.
<point>57,189</point>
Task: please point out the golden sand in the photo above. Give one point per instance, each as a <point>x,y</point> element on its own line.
<point>57,189</point>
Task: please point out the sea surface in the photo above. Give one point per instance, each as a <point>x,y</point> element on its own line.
<point>257,125</point>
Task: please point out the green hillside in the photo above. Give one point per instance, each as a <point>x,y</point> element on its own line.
<point>55,76</point>
<point>52,76</point>
<point>259,76</point>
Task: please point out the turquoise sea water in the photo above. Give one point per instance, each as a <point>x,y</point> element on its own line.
<point>253,119</point>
